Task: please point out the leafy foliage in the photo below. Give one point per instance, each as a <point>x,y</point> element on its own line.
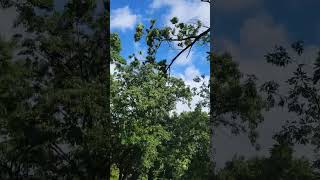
<point>234,99</point>
<point>183,34</point>
<point>151,140</point>
<point>58,110</point>
<point>54,102</point>
<point>301,97</point>
<point>280,165</point>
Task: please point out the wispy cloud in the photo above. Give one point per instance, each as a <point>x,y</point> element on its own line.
<point>185,58</point>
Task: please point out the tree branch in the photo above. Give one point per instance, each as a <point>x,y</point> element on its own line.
<point>188,46</point>
<point>208,1</point>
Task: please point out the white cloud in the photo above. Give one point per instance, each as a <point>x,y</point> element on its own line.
<point>185,10</point>
<point>112,68</point>
<point>123,18</point>
<point>189,74</point>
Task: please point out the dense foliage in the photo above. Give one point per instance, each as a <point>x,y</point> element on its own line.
<point>280,165</point>
<point>300,96</point>
<point>152,141</point>
<point>54,103</point>
<point>63,115</point>
<point>54,118</point>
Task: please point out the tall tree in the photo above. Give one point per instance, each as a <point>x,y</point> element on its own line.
<point>64,120</point>
<point>151,141</point>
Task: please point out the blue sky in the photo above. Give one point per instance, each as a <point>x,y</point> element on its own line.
<point>125,14</point>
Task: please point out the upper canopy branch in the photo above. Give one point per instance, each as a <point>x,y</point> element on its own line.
<point>196,38</point>
<point>208,1</point>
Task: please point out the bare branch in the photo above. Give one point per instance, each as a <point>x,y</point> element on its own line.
<point>208,1</point>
